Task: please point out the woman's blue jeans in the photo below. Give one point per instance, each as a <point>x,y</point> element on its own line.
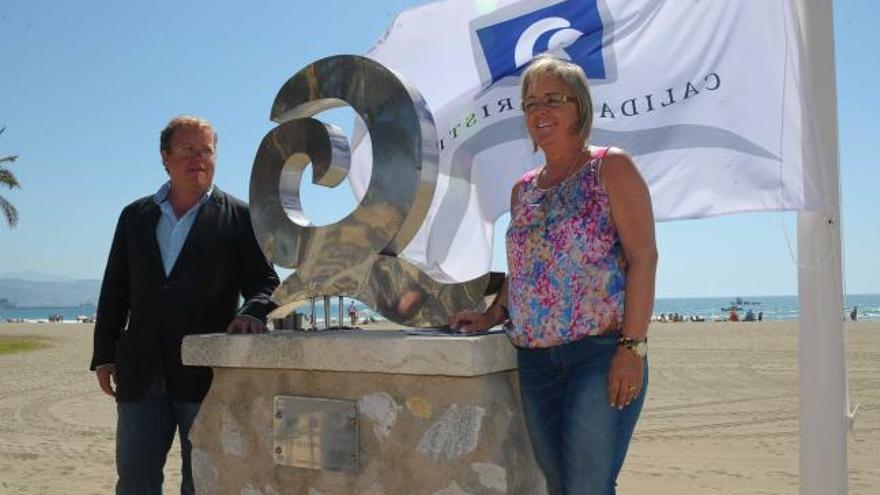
<point>579,440</point>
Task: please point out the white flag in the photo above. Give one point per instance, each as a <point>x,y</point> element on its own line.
<point>706,96</point>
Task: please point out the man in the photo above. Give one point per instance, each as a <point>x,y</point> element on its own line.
<point>178,263</point>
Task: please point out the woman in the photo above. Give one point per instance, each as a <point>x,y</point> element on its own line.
<point>579,295</point>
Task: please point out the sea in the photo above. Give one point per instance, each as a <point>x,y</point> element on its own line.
<point>772,307</point>
<point>709,308</point>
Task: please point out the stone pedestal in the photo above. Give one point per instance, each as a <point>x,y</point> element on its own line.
<point>435,415</point>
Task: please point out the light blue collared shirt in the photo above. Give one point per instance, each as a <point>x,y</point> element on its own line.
<point>171,232</point>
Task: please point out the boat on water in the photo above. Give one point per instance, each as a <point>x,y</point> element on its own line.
<point>738,303</point>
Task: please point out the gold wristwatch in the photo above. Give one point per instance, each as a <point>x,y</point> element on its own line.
<point>637,347</point>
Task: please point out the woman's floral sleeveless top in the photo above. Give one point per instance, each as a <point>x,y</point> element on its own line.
<point>567,271</point>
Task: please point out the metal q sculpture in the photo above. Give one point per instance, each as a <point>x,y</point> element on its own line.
<point>357,256</point>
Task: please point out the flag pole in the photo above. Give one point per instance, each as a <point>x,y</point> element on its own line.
<point>821,353</point>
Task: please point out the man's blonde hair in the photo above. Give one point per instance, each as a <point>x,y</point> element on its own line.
<point>183,121</point>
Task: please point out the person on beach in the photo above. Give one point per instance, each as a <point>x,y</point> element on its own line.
<point>582,259</point>
<point>179,261</point>
<point>352,314</point>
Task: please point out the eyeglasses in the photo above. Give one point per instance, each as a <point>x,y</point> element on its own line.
<point>194,151</point>
<point>550,100</point>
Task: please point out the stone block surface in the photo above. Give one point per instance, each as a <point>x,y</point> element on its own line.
<point>375,351</point>
<point>435,434</point>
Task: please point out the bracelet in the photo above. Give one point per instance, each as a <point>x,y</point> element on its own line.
<point>638,347</point>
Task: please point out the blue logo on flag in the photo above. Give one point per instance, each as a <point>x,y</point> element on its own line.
<point>570,29</point>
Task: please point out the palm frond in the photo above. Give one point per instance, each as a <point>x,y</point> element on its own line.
<point>8,179</point>
<point>9,212</point>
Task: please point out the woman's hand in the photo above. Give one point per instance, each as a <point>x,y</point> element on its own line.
<point>625,377</point>
<point>472,321</point>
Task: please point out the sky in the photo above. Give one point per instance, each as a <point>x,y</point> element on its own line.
<point>85,88</point>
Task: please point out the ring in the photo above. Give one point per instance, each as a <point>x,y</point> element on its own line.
<point>633,388</point>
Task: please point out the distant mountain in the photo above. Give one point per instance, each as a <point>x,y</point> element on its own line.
<point>41,293</point>
<point>35,276</point>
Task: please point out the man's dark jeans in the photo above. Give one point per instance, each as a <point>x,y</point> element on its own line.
<point>144,434</point>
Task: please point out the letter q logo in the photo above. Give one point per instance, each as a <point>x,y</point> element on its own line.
<point>506,40</point>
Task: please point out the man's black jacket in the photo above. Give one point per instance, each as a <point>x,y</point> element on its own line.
<point>144,315</point>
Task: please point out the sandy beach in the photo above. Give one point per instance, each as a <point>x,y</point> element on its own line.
<point>721,414</point>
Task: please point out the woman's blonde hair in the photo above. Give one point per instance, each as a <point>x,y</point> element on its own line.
<point>572,75</point>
